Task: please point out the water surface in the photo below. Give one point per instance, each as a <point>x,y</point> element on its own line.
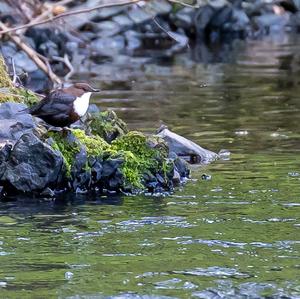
<point>236,235</point>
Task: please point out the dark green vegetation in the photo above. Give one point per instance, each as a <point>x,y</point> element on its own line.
<point>237,233</point>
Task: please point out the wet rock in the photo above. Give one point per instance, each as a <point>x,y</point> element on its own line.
<point>5,8</point>
<point>37,81</point>
<point>96,170</point>
<point>32,165</point>
<point>109,46</point>
<point>181,166</point>
<point>110,165</point>
<point>116,181</point>
<point>109,12</point>
<point>123,20</point>
<point>23,62</point>
<point>160,7</point>
<point>271,22</point>
<point>108,28</point>
<point>186,148</point>
<point>176,178</point>
<point>49,49</point>
<point>184,18</point>
<point>133,40</point>
<point>4,155</point>
<point>8,50</point>
<point>139,15</point>
<point>14,122</point>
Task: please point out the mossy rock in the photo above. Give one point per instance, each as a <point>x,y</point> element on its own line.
<point>9,93</point>
<point>69,143</point>
<point>107,125</point>
<point>139,154</point>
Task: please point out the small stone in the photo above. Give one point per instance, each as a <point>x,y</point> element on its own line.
<point>206,177</point>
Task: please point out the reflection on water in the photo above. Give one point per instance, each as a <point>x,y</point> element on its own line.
<point>234,235</point>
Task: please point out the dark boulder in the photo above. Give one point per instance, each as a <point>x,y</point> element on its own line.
<point>32,165</point>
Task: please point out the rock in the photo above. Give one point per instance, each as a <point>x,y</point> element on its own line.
<point>176,178</point>
<point>107,125</point>
<point>109,46</point>
<point>240,20</point>
<point>181,166</point>
<point>22,61</point>
<point>108,12</point>
<point>139,15</point>
<point>8,50</point>
<point>110,165</point>
<point>49,49</point>
<point>186,148</point>
<point>108,28</point>
<point>123,20</point>
<point>37,81</point>
<point>32,165</point>
<point>133,40</point>
<point>271,22</point>
<point>4,155</point>
<point>5,8</point>
<point>13,122</point>
<point>184,18</point>
<point>160,7</point>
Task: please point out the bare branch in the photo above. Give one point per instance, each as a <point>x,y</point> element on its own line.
<point>32,54</point>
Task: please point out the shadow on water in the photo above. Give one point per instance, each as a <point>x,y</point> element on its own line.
<point>234,235</point>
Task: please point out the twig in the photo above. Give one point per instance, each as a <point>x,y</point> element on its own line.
<point>67,62</point>
<point>32,54</point>
<point>75,12</point>
<point>170,34</point>
<point>14,81</point>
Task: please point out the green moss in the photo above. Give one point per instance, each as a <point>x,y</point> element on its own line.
<point>9,93</point>
<point>95,145</point>
<point>107,125</point>
<point>139,153</point>
<point>67,149</point>
<point>142,157</point>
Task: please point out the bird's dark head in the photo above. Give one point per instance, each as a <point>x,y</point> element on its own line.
<point>78,89</point>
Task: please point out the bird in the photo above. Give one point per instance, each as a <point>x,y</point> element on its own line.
<point>63,107</point>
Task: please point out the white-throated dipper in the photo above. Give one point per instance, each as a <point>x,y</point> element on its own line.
<point>64,106</point>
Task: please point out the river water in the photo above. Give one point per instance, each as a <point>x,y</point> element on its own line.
<point>235,235</point>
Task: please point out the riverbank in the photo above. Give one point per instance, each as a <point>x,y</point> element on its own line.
<point>137,33</point>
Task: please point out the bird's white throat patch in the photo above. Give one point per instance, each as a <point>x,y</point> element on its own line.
<point>81,104</point>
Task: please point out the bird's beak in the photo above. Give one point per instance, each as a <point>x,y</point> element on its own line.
<point>95,90</point>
